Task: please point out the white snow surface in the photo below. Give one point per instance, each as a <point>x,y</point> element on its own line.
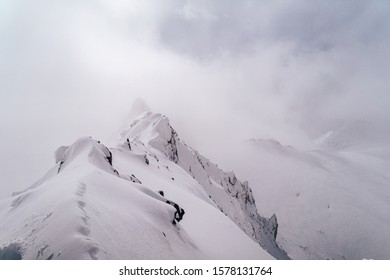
<point>104,203</point>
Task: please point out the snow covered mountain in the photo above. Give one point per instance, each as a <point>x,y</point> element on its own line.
<point>150,196</point>
<point>356,135</point>
<point>331,204</point>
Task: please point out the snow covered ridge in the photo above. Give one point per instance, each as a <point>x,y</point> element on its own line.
<point>150,197</point>
<point>232,197</point>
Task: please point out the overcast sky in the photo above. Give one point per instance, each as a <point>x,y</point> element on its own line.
<point>284,69</point>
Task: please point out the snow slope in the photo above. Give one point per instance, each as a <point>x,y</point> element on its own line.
<point>146,198</point>
<point>331,204</point>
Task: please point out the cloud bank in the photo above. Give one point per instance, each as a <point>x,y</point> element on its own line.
<point>221,70</point>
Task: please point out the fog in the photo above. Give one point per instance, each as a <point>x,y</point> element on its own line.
<point>222,71</point>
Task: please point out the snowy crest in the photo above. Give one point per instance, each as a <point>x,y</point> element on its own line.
<point>85,148</point>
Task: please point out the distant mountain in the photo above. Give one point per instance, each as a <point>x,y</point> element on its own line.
<point>356,135</point>
<point>150,196</point>
<point>330,203</point>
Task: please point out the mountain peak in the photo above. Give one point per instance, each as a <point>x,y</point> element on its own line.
<point>154,131</point>
<point>138,107</point>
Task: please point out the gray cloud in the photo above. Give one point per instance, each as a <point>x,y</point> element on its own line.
<point>222,70</point>
<point>210,27</point>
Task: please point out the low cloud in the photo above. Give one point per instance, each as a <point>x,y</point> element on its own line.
<point>221,70</point>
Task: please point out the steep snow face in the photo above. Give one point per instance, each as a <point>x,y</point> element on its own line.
<point>128,202</point>
<point>330,205</point>
<point>225,192</point>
